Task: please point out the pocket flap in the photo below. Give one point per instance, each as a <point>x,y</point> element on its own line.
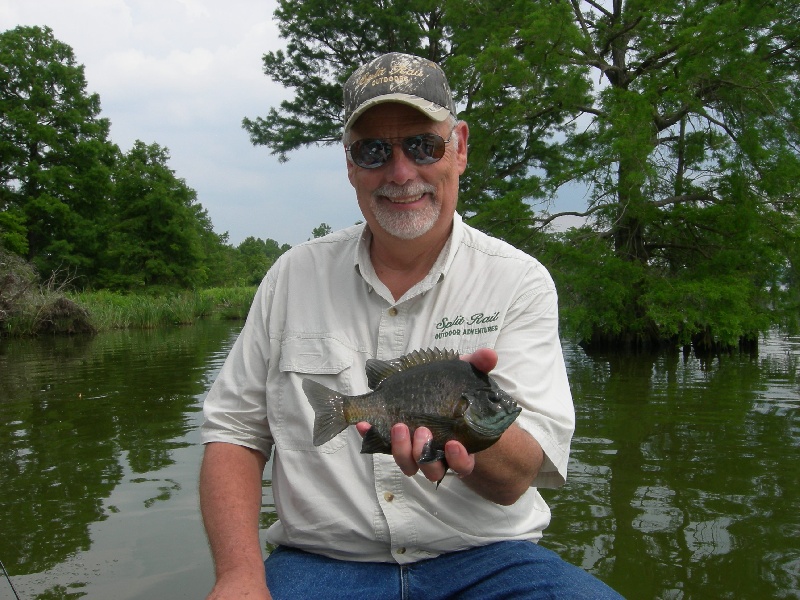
<point>322,355</point>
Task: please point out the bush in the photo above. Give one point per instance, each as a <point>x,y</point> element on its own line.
<point>28,307</point>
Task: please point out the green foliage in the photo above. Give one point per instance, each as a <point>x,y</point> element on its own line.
<point>257,256</point>
<point>230,302</point>
<point>110,310</point>
<point>518,92</point>
<point>157,236</point>
<point>679,119</point>
<point>592,297</point>
<point>13,231</point>
<point>55,155</point>
<point>322,230</point>
<point>28,307</point>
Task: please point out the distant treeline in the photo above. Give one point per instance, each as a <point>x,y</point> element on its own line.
<point>77,208</point>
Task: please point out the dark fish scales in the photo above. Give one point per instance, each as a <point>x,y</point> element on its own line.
<point>426,388</point>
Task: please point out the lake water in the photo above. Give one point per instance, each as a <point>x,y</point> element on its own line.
<point>684,479</point>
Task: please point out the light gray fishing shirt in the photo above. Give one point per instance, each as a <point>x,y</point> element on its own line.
<point>320,313</point>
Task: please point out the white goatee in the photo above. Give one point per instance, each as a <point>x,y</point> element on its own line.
<point>410,224</point>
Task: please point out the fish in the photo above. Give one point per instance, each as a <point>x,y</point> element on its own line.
<point>426,388</point>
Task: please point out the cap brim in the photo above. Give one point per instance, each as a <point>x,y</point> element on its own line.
<point>430,109</point>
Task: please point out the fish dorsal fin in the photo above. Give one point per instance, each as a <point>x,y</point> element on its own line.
<point>379,370</point>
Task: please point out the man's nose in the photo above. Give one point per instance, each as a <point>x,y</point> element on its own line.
<point>400,168</point>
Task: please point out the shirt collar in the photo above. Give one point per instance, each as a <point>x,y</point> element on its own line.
<point>441,267</point>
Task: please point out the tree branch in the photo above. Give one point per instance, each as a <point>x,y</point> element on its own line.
<point>683,198</point>
<point>569,213</point>
<point>598,7</point>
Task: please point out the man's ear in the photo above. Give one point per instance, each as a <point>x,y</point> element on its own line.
<point>351,167</point>
<point>462,131</point>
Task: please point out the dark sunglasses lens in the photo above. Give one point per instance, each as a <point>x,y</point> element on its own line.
<point>424,149</point>
<point>370,154</point>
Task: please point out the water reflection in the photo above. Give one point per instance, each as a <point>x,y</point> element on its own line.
<point>683,480</point>
<point>78,417</point>
<point>684,475</point>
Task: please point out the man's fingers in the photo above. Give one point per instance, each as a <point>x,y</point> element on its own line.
<point>434,471</point>
<point>458,459</point>
<point>483,359</point>
<point>407,451</point>
<point>402,449</point>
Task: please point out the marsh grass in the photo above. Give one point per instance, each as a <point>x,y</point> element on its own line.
<point>113,310</point>
<point>230,303</point>
<point>30,306</point>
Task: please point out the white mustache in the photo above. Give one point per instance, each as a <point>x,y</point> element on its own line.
<point>415,188</point>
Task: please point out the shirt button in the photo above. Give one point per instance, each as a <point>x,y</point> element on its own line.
<point>388,496</point>
<point>401,550</point>
<point>393,312</point>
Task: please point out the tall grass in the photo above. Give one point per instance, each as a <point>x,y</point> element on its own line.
<point>29,306</point>
<point>231,302</point>
<point>112,310</point>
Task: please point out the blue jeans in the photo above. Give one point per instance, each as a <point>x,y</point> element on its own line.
<point>511,570</point>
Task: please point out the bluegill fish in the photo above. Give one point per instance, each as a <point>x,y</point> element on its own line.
<point>426,388</point>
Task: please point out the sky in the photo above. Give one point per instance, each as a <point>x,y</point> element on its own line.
<point>183,74</point>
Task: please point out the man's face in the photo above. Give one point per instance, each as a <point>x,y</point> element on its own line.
<point>401,198</point>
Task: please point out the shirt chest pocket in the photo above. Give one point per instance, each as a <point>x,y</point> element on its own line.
<point>326,361</point>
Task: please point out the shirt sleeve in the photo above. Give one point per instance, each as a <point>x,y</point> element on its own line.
<point>235,409</point>
<point>531,369</point>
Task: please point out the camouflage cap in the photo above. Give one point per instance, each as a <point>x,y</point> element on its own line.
<point>401,78</point>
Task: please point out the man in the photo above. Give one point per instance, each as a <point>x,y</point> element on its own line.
<point>414,276</point>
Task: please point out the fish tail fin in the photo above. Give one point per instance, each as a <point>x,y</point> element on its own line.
<point>328,405</point>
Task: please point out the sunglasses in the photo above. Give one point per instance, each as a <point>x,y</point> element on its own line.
<point>423,149</point>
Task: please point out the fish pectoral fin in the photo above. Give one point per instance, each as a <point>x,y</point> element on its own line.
<point>446,468</point>
<point>483,431</point>
<point>431,452</point>
<point>374,443</point>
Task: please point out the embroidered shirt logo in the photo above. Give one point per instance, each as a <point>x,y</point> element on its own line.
<point>459,325</point>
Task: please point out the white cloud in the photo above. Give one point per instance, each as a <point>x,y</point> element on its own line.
<point>183,74</point>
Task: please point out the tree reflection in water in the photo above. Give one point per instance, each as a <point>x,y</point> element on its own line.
<point>683,480</point>
<point>76,413</point>
<point>684,474</point>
